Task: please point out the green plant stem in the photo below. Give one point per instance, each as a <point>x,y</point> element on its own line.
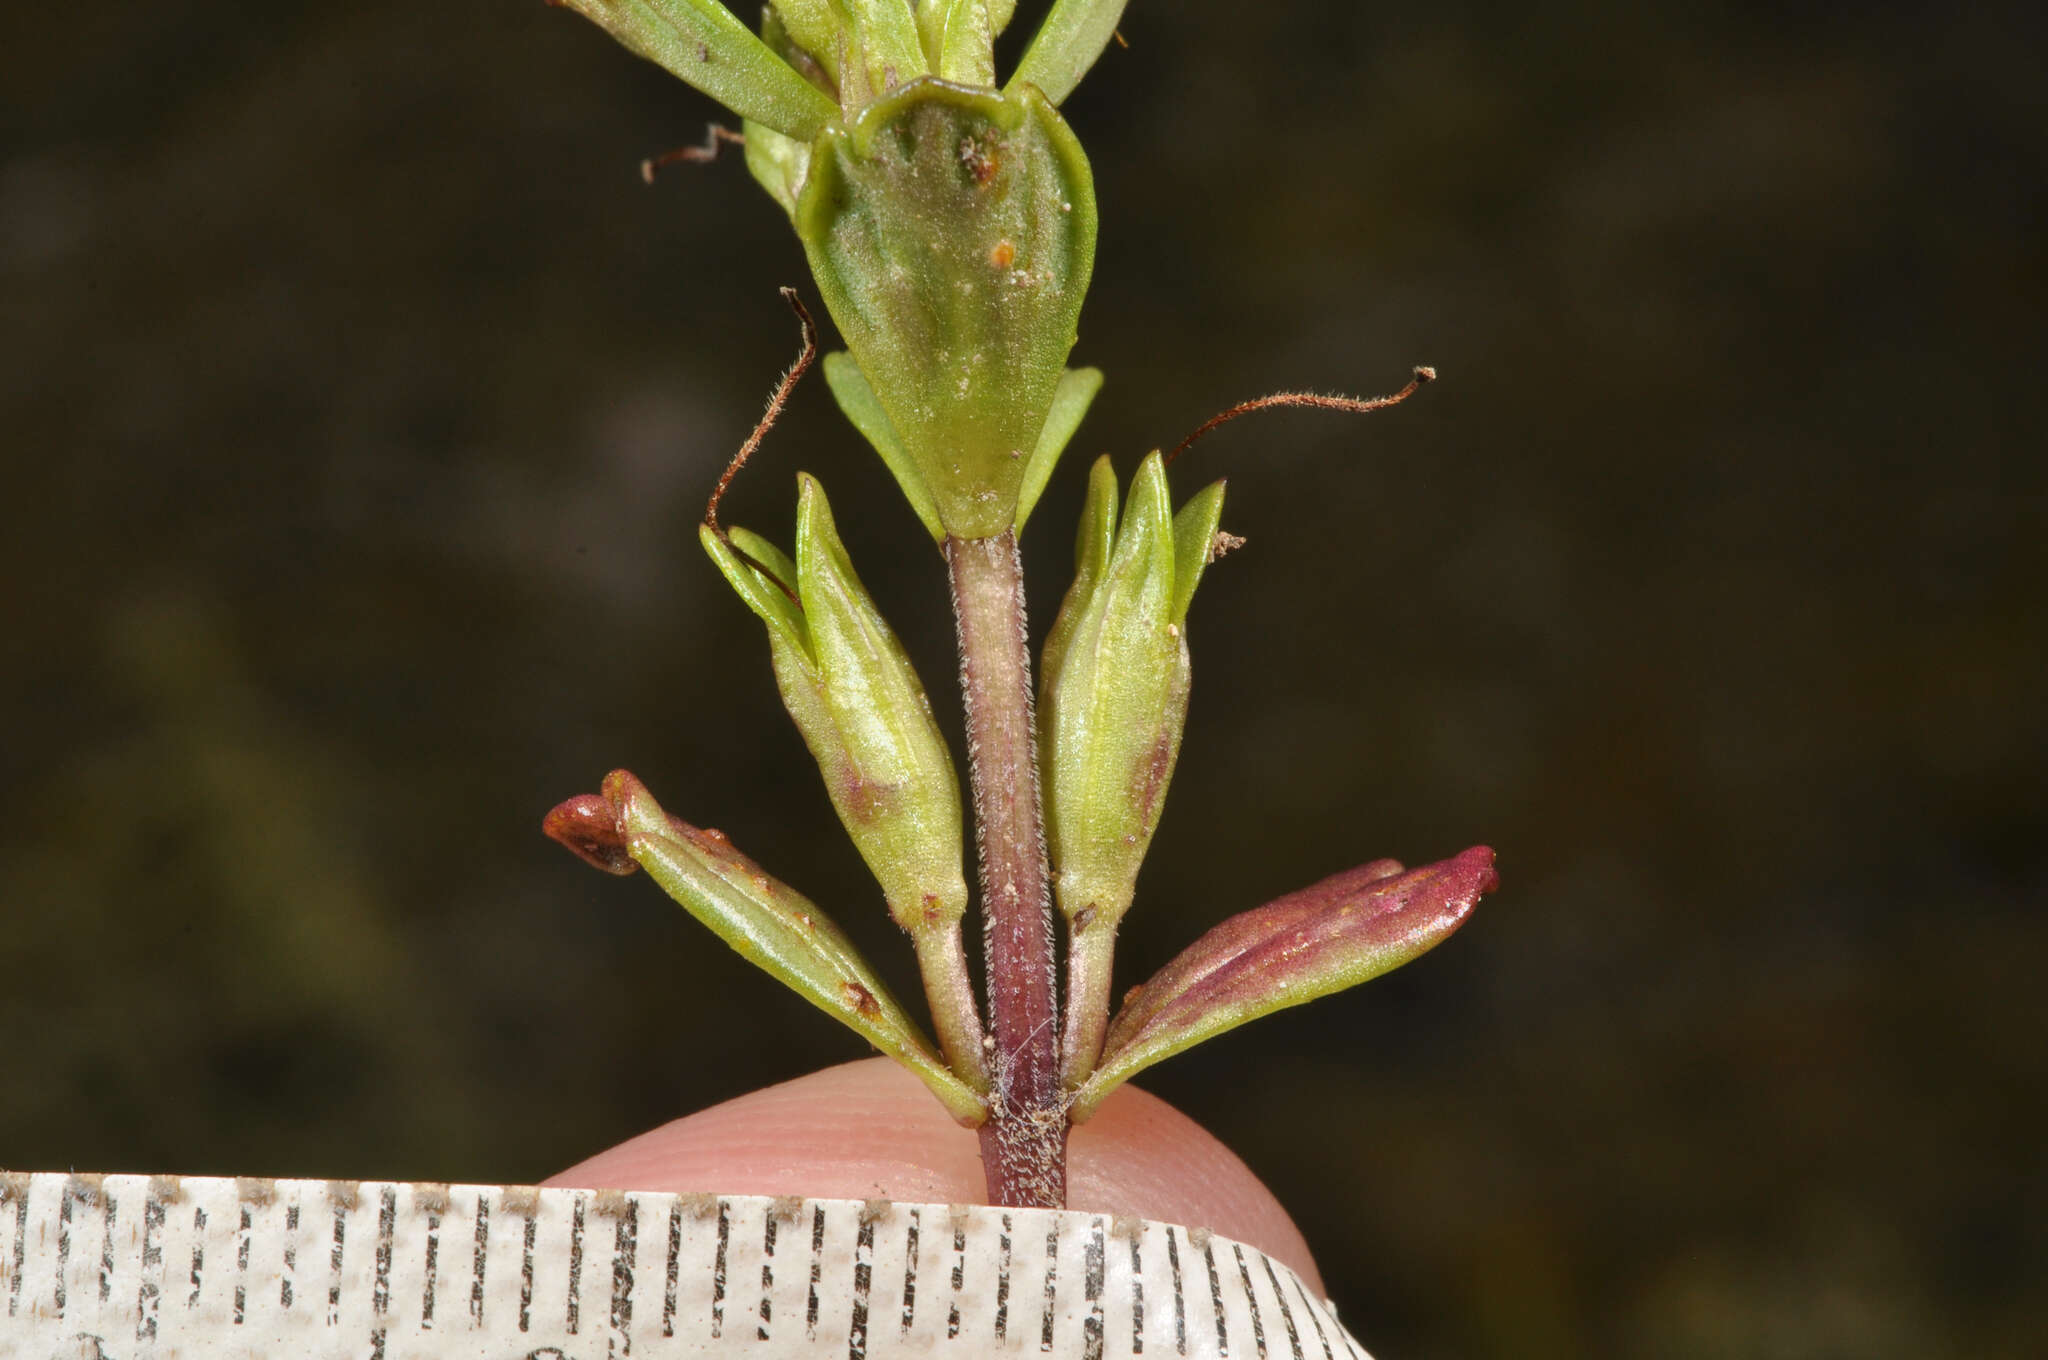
<point>949,987</point>
<point>1024,1143</point>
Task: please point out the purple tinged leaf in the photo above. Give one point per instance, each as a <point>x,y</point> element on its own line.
<point>1347,929</point>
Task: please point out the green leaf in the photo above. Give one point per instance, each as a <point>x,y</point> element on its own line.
<point>952,234</point>
<point>814,27</point>
<point>958,40</point>
<point>1092,547</point>
<point>701,42</point>
<point>1335,934</point>
<point>1070,402</point>
<point>857,401</point>
<point>766,922</point>
<point>782,615</point>
<point>1067,44</point>
<point>886,33</point>
<point>1194,545</point>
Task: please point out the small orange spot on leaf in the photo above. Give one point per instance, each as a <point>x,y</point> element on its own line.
<point>862,1000</point>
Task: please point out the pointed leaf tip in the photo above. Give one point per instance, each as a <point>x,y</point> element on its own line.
<point>1335,934</point>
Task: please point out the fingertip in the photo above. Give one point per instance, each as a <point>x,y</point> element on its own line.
<point>869,1130</point>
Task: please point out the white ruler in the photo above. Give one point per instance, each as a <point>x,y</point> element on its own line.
<point>121,1267</point>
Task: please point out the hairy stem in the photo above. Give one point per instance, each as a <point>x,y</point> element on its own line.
<point>1024,1143</point>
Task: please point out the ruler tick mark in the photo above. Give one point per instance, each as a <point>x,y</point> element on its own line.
<point>767,1274</point>
<point>19,1198</point>
<point>959,1278</point>
<point>575,1314</point>
<point>817,1270</point>
<point>910,1271</point>
<point>1137,1299</point>
<point>106,1246</point>
<point>334,1266</point>
<point>1052,1275</point>
<point>718,1270</point>
<point>526,1270</point>
<point>151,1293</point>
<point>1216,1299</point>
<point>1180,1298</point>
<point>1251,1301</point>
<point>242,1268</point>
<point>387,1224</point>
<point>483,1238</point>
<point>1286,1313</point>
<point>1093,1266</point>
<point>863,1276</point>
<point>198,1254</point>
<point>291,1255</point>
<point>625,1256</point>
<point>64,1200</point>
<point>1003,1283</point>
<point>433,1268</point>
<point>668,1292</point>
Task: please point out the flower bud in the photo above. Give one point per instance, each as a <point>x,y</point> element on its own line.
<point>1114,702</point>
<point>952,233</point>
<point>862,712</point>
<point>864,715</point>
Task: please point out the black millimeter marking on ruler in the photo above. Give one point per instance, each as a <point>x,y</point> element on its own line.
<point>1052,1273</point>
<point>1003,1282</point>
<point>575,1315</point>
<point>64,1198</point>
<point>291,1254</point>
<point>1216,1299</point>
<point>817,1269</point>
<point>526,1267</point>
<point>1180,1298</point>
<point>959,1278</point>
<point>718,1271</point>
<point>333,1264</point>
<point>1137,1300</point>
<point>20,1265</point>
<point>767,1276</point>
<point>387,1222</point>
<point>668,1288</point>
<point>242,1269</point>
<point>1091,1288</point>
<point>863,1277</point>
<point>625,1256</point>
<point>482,1240</point>
<point>433,1269</point>
<point>910,1271</point>
<point>1308,1306</point>
<point>1251,1301</point>
<point>106,1246</point>
<point>1286,1313</point>
<point>198,1254</point>
<point>147,1297</point>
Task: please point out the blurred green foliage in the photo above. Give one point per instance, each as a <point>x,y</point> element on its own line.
<point>359,401</point>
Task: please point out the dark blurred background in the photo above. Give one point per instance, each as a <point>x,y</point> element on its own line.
<point>359,400</point>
